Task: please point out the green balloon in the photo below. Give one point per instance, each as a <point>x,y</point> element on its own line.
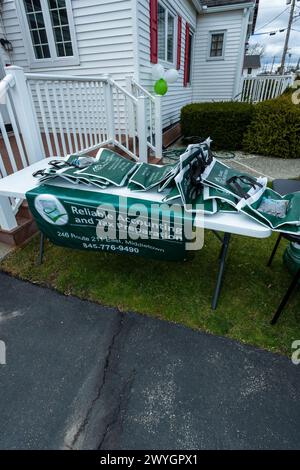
<point>161,87</point>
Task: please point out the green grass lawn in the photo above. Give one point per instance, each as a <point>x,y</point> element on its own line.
<point>178,292</point>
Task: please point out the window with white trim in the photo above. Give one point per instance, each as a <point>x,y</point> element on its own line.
<point>166,34</point>
<point>51,29</point>
<point>37,28</point>
<point>217,45</point>
<point>189,64</point>
<point>60,27</point>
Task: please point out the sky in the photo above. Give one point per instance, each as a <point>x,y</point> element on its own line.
<point>268,10</point>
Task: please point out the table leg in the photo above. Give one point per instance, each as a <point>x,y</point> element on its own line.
<point>274,250</point>
<point>222,261</point>
<point>286,297</point>
<point>42,247</point>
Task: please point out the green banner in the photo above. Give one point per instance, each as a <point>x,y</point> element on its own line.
<point>94,221</point>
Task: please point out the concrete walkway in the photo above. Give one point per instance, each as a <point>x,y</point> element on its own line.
<point>4,250</point>
<point>273,168</point>
<point>79,375</point>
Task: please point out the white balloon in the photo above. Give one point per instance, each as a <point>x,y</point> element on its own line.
<point>158,71</point>
<point>171,75</point>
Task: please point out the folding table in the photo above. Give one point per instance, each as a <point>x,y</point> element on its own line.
<point>17,184</point>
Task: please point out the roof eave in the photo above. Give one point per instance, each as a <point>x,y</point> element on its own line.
<point>198,5</point>
<point>237,6</point>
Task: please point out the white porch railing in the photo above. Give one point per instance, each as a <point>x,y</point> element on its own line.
<point>54,115</point>
<point>16,151</point>
<point>265,87</point>
<point>80,114</point>
<point>153,115</point>
<point>71,112</point>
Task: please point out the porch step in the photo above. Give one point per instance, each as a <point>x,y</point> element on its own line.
<point>25,230</point>
<point>171,134</point>
<point>24,211</point>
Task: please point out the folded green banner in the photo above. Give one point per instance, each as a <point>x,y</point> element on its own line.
<point>198,181</point>
<point>218,175</point>
<point>148,176</point>
<point>281,213</point>
<point>193,197</point>
<point>109,168</point>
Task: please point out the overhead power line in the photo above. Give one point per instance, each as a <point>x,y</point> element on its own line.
<point>273,19</point>
<point>270,33</point>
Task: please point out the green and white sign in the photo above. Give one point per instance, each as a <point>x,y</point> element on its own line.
<point>96,221</point>
<point>197,183</point>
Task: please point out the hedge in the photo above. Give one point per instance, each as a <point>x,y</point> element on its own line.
<point>225,122</point>
<point>275,129</point>
<point>270,128</point>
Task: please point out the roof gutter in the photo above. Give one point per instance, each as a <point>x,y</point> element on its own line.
<point>237,6</point>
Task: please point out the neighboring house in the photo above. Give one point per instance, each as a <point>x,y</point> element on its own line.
<point>252,65</point>
<point>203,39</point>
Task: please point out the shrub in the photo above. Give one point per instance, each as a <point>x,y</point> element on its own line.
<point>224,122</point>
<point>289,94</point>
<point>275,129</point>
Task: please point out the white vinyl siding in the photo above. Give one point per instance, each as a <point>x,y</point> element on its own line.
<point>4,59</point>
<point>214,78</point>
<point>113,37</point>
<point>4,55</point>
<point>103,32</point>
<point>178,95</point>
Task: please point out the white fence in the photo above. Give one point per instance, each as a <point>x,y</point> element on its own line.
<point>13,151</point>
<point>54,115</point>
<point>265,87</point>
<point>71,114</point>
<point>153,115</point>
<point>79,114</point>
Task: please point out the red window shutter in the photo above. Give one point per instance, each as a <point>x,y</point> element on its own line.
<point>186,54</point>
<point>153,31</point>
<point>179,25</point>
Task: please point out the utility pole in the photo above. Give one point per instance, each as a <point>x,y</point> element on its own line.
<point>273,62</point>
<point>288,34</point>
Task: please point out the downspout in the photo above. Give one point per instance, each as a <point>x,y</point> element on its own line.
<point>239,70</point>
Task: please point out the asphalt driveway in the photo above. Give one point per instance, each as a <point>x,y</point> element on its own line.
<point>82,376</point>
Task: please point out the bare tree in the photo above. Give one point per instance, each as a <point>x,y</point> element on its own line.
<point>256,49</point>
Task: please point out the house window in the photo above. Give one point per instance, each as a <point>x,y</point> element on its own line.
<point>37,28</point>
<point>51,29</point>
<point>170,38</point>
<point>60,27</point>
<point>188,53</point>
<point>166,34</point>
<point>217,45</point>
<point>189,64</point>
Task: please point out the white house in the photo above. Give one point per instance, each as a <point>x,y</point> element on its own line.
<point>203,39</point>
